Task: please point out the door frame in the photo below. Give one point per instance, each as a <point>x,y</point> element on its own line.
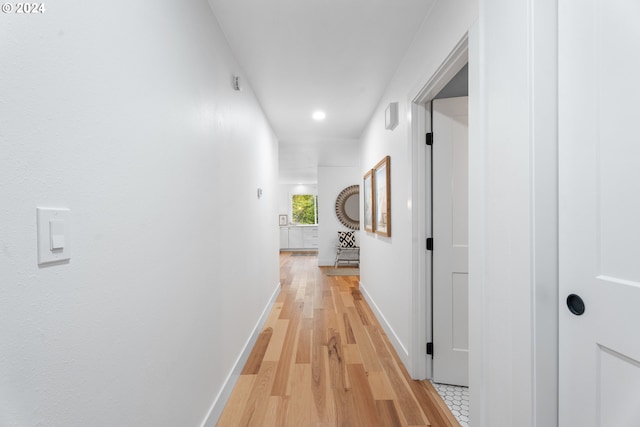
<point>535,394</point>
<point>421,366</point>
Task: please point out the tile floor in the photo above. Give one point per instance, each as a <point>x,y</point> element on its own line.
<point>457,399</point>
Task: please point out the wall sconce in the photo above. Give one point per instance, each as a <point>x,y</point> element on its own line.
<point>259,193</point>
<point>391,116</point>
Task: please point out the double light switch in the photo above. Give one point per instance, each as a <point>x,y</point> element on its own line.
<point>53,235</point>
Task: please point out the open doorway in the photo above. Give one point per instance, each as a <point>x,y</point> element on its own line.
<point>450,80</point>
<point>449,119</point>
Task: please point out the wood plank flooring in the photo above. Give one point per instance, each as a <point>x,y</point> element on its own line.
<point>323,360</point>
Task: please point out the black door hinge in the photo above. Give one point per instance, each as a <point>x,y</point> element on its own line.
<point>429,244</point>
<point>429,138</point>
<point>430,348</point>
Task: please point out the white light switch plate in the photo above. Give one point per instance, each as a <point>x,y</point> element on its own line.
<point>54,244</point>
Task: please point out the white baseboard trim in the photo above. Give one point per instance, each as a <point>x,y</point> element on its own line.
<point>395,341</point>
<point>221,399</point>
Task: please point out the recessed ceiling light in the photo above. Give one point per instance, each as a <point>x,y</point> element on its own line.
<point>319,115</point>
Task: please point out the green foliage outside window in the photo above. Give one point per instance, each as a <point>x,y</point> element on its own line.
<point>303,209</point>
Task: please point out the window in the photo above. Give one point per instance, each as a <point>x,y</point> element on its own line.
<point>304,209</point>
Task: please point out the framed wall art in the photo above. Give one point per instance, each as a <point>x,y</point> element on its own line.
<point>382,197</point>
<point>367,195</point>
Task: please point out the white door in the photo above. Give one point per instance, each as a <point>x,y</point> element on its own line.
<point>450,241</point>
<point>599,230</point>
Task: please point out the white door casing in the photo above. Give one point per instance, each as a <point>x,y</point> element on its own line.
<point>599,212</point>
<point>450,241</point>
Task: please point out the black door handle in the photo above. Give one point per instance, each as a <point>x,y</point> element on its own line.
<point>575,304</point>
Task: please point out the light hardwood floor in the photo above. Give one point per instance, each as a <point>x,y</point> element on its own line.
<point>323,360</point>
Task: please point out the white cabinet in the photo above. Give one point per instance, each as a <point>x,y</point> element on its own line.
<point>295,238</point>
<point>310,237</point>
<point>299,237</point>
<point>284,237</point>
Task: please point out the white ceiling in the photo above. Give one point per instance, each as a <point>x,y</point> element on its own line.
<point>333,55</point>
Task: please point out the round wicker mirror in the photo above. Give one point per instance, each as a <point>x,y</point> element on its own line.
<point>348,207</point>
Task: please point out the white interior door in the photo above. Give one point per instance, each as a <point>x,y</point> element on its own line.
<point>599,230</point>
<point>450,241</point>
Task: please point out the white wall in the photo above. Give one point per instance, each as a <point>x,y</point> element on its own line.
<point>331,181</point>
<point>124,112</point>
<point>387,263</point>
<point>513,260</point>
<point>513,204</point>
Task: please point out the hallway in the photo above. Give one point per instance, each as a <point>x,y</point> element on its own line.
<point>322,359</point>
